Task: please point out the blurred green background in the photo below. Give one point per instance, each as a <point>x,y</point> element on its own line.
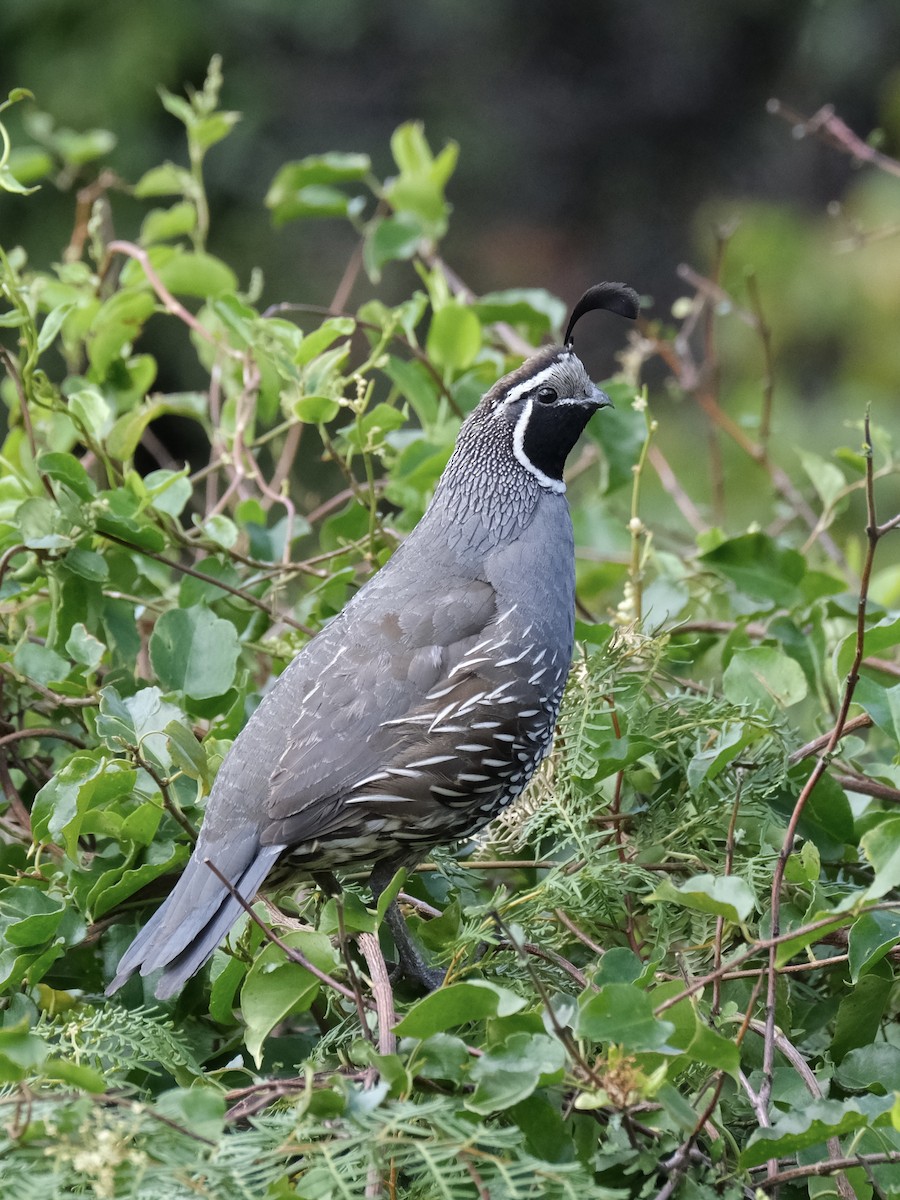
<point>598,140</point>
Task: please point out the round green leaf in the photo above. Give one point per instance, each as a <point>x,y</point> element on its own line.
<point>454,337</point>
<point>194,651</point>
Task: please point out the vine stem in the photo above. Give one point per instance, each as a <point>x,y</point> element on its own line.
<point>873,534</point>
<point>167,299</point>
<point>293,955</point>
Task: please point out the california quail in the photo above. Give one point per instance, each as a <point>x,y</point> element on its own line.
<point>425,706</point>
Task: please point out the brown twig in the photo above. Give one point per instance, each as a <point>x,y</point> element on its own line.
<point>838,920</point>
<point>829,1166</point>
<point>800,1065</point>
<point>381,991</point>
<point>864,721</point>
<point>768,380</point>
<point>294,955</point>
<point>729,866</point>
<point>672,486</point>
<point>40,732</point>
<point>241,593</point>
<point>873,534</point>
<point>165,296</point>
<point>827,125</point>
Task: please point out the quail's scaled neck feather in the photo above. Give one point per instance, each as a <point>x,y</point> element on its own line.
<point>425,706</point>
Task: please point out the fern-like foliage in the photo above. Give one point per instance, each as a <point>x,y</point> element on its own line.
<point>115,1041</point>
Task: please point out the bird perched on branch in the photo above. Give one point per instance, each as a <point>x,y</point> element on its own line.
<point>425,706</point>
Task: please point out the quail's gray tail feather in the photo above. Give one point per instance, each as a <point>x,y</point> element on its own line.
<point>194,919</point>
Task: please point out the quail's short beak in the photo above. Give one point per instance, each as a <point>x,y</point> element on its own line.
<point>601,400</point>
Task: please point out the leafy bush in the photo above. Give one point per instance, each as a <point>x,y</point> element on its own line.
<point>670,966</point>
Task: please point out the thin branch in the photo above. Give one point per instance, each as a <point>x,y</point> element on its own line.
<point>872,537</point>
<point>381,991</point>
<point>826,1167</point>
<point>864,721</point>
<point>165,296</point>
<point>241,593</point>
<point>768,382</point>
<point>828,126</point>
<point>40,732</point>
<point>294,955</point>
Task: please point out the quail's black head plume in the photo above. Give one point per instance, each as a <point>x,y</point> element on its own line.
<point>616,297</point>
<point>424,708</point>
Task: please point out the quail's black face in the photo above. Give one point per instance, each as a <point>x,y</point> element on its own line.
<point>547,402</point>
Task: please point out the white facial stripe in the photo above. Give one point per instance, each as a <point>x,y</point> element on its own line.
<point>553,485</point>
<point>530,384</point>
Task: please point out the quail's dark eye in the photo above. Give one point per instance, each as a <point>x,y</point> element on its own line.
<point>546,395</point>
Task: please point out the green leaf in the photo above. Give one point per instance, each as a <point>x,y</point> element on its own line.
<point>194,273</point>
<point>21,1052</point>
<point>52,324</point>
<point>622,1014</point>
<point>208,131</point>
<point>311,187</point>
<point>457,1004</point>
<point>42,525</point>
<point>826,478</point>
<point>40,663</point>
<point>509,1073</point>
<point>880,636</point>
<point>315,410</point>
<point>318,340</point>
<point>200,1108</point>
<point>117,323</point>
<point>881,703</point>
<point>88,780</point>
<point>194,651</point>
<point>273,990</point>
<point>618,965</point>
<point>732,739</point>
<point>84,647</point>
<point>187,753</point>
<point>166,180</point>
<point>726,896</point>
<point>391,239</point>
<point>818,1121</point>
<point>138,720</point>
<point>693,1035</point>
<point>74,1074</point>
<point>454,337</point>
<point>168,491</point>
<point>163,224</point>
<point>87,564</point>
<point>759,568</point>
<point>620,432</point>
<point>9,183</point>
<point>221,530</point>
<point>871,937</point>
<point>348,910</point>
<point>419,188</point>
<point>871,1066</point>
<point>881,846</point>
<point>533,310</point>
<point>29,916</point>
<point>67,469</point>
<point>861,1011</point>
<point>764,676</point>
<point>827,818</point>
<point>441,1056</point>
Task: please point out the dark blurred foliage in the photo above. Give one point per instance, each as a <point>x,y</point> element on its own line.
<point>598,140</point>
<point>590,133</point>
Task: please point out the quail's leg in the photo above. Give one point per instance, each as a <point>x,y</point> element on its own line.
<point>412,965</point>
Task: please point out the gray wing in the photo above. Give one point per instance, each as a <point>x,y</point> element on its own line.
<point>320,730</point>
<point>438,767</point>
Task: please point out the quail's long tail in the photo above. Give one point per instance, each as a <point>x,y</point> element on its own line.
<point>187,928</point>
